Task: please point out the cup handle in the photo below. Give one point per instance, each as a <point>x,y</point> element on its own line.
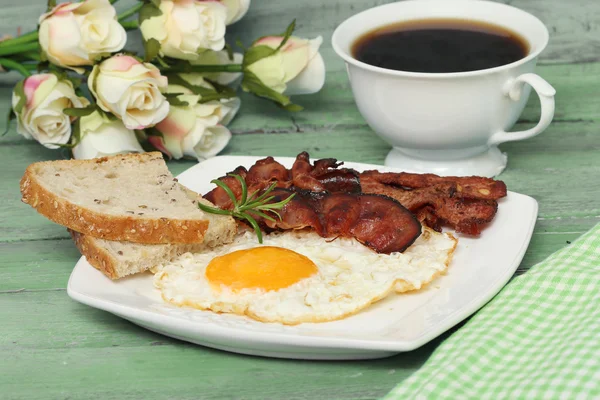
<point>545,92</point>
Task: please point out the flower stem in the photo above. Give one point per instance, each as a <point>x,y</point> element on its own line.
<point>205,68</point>
<point>126,14</point>
<point>19,48</point>
<point>15,66</point>
<point>26,38</point>
<point>129,25</point>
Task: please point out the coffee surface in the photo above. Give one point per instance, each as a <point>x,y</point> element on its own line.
<point>440,46</point>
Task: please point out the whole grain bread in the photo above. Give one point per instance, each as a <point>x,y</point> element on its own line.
<point>119,259</point>
<point>131,198</point>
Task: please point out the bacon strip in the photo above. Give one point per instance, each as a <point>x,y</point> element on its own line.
<point>323,176</point>
<point>466,204</point>
<point>378,222</point>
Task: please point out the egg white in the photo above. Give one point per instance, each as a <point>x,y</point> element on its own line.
<point>350,277</point>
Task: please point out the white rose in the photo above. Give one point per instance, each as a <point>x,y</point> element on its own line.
<point>193,130</point>
<point>186,28</point>
<point>101,136</point>
<point>225,109</point>
<point>297,68</point>
<point>236,9</point>
<point>131,90</point>
<point>40,113</point>
<point>219,58</point>
<point>76,34</point>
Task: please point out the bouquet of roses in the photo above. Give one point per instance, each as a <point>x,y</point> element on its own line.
<point>81,90</point>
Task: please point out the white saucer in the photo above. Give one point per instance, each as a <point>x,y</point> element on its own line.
<point>489,164</point>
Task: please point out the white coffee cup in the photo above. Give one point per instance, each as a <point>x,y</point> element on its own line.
<point>447,123</point>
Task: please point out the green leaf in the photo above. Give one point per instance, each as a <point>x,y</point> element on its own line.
<point>239,44</point>
<point>11,115</point>
<point>291,107</point>
<point>151,49</point>
<point>287,34</point>
<point>162,62</point>
<point>51,5</point>
<point>76,134</point>
<point>229,51</point>
<point>225,90</point>
<point>174,100</point>
<point>149,10</point>
<point>20,91</point>
<point>153,132</point>
<point>43,65</point>
<point>251,83</point>
<point>206,94</point>
<point>80,112</point>
<point>256,53</point>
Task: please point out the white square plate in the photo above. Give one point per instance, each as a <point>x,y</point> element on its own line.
<point>480,268</point>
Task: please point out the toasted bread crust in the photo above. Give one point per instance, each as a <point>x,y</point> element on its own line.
<point>111,227</point>
<point>96,256</point>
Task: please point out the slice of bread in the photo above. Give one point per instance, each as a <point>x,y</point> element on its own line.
<point>131,198</point>
<point>119,259</point>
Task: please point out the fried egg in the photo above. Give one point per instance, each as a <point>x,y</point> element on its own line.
<point>298,276</point>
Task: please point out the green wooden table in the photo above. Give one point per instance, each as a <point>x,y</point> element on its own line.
<point>53,347</point>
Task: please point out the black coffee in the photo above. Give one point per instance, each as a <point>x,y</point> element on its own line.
<point>440,45</point>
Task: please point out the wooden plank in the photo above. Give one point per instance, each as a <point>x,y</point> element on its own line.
<point>333,108</point>
<point>572,25</point>
<point>47,264</point>
<point>57,347</point>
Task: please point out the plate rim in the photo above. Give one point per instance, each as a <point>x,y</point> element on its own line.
<point>285,339</point>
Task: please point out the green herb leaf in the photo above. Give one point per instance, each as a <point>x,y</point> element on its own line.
<point>227,190</point>
<point>51,5</point>
<point>213,210</point>
<point>80,112</point>
<point>151,49</point>
<point>156,3</point>
<point>249,208</point>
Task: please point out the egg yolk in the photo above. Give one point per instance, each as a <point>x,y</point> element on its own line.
<point>267,268</point>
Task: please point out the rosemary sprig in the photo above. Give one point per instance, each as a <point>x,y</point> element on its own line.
<point>248,208</point>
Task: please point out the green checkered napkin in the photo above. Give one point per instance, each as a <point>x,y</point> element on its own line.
<point>538,339</point>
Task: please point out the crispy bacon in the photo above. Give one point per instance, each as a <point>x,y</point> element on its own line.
<point>464,203</point>
<point>378,222</point>
<point>323,176</point>
<point>219,197</point>
<point>266,171</point>
<point>470,187</point>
